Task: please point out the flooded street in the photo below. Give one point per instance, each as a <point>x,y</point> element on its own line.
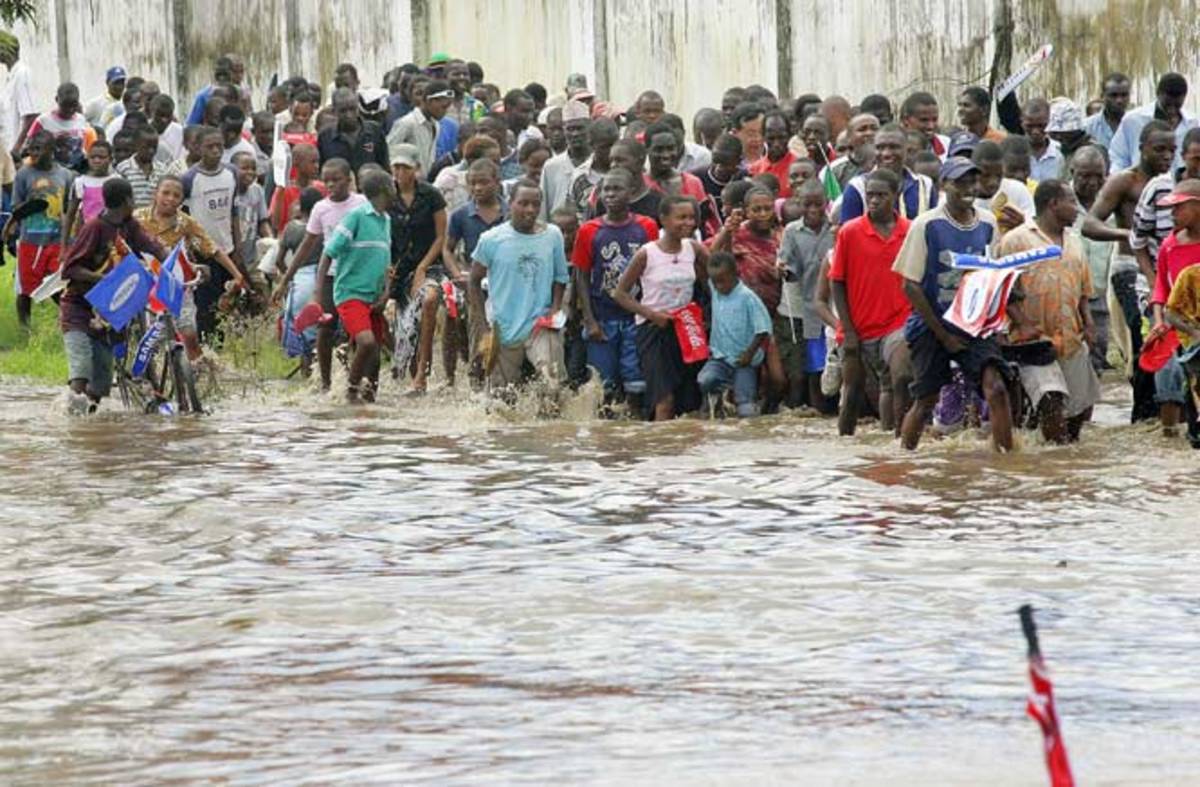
<point>308,594</point>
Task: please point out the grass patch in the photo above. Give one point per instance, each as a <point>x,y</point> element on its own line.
<point>250,345</point>
<point>35,354</point>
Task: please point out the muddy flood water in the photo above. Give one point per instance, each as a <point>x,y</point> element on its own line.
<point>289,591</point>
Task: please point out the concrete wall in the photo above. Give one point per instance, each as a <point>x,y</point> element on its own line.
<point>516,41</point>
<point>689,50</point>
<point>855,47</point>
<point>273,37</point>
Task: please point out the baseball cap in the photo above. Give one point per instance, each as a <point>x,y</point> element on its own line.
<point>1064,116</point>
<point>405,155</point>
<point>1185,191</point>
<point>575,110</point>
<point>372,99</point>
<point>115,74</point>
<point>962,143</point>
<point>439,59</point>
<point>576,82</point>
<point>955,167</point>
<point>603,109</point>
<point>438,89</point>
<point>581,94</point>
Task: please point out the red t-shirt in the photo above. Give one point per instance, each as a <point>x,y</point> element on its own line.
<point>862,260</point>
<point>777,168</point>
<point>756,263</point>
<point>1173,257</point>
<point>288,196</point>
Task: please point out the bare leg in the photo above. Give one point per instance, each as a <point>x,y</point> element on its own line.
<point>191,344</point>
<point>24,310</point>
<point>665,409</point>
<point>914,421</point>
<point>901,398</point>
<point>366,357</point>
<point>816,398</point>
<point>1052,417</point>
<point>1169,414</point>
<point>325,353</point>
<point>430,300</point>
<point>853,375</point>
<point>996,392</point>
<point>1075,425</point>
<point>451,340</point>
<point>776,379</point>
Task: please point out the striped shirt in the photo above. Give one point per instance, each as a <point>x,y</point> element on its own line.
<point>143,184</point>
<point>362,245</point>
<point>1152,224</point>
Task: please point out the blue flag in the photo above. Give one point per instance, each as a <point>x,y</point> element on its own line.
<point>123,293</point>
<point>1020,259</point>
<point>169,290</point>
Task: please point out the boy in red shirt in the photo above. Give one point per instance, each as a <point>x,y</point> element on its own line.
<point>603,250</point>
<point>1180,250</point>
<point>872,306</point>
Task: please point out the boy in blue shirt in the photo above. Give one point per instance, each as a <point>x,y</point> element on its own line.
<point>526,268</point>
<point>956,225</point>
<point>741,332</point>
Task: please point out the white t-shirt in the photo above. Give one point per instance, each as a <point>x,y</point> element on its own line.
<point>1015,193</point>
<point>18,101</point>
<point>209,199</point>
<point>241,146</point>
<point>171,141</point>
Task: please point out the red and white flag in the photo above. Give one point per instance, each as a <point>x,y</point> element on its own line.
<point>1041,706</point>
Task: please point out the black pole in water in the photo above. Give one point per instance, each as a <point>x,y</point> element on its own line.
<point>1029,628</point>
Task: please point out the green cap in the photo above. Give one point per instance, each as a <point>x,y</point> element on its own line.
<point>438,58</point>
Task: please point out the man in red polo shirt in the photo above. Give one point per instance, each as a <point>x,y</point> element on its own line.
<point>778,159</point>
<point>871,304</point>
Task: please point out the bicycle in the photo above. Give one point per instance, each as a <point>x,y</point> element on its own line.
<point>145,383</point>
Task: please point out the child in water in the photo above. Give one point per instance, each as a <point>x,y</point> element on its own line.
<point>741,332</point>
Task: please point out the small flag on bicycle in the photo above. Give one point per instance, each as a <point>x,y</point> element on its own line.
<point>146,348</point>
<point>169,290</point>
<point>121,294</point>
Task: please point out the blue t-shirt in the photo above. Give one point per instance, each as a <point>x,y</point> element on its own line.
<point>447,138</point>
<point>920,258</point>
<point>736,319</point>
<point>917,195</point>
<point>604,251</point>
<point>199,104</point>
<point>522,271</point>
<point>467,225</point>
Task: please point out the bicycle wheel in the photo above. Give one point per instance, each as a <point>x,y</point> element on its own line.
<point>184,382</point>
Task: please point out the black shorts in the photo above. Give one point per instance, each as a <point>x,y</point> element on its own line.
<point>931,361</point>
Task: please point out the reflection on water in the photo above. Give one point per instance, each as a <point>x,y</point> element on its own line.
<point>311,594</point>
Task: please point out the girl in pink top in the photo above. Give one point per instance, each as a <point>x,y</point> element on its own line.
<point>86,197</point>
<point>666,271</point>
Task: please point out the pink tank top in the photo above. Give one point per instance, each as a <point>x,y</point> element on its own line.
<point>668,279</point>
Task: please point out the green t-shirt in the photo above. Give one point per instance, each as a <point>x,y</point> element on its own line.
<point>362,245</point>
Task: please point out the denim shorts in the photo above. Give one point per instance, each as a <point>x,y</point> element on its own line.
<point>616,358</point>
<point>718,375</point>
<point>91,359</point>
<point>1170,383</point>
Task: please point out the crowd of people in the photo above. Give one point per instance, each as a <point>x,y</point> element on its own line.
<point>791,252</point>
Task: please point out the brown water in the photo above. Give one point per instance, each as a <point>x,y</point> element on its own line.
<point>303,593</point>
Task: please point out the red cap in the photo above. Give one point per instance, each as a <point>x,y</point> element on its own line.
<point>1185,191</point>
